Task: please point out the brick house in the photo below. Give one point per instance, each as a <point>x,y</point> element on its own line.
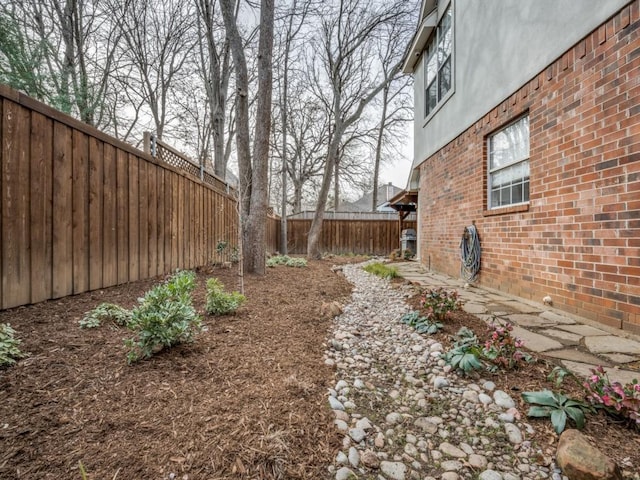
<point>527,123</point>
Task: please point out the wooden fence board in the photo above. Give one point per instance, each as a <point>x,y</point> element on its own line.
<point>377,237</point>
<point>122,217</point>
<point>80,214</point>
<point>110,242</point>
<point>62,210</point>
<point>80,210</point>
<point>16,275</point>
<point>143,226</point>
<point>152,216</point>
<point>41,206</point>
<point>96,215</point>
<point>134,218</point>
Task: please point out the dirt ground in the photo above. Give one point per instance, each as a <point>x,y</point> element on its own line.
<point>246,400</point>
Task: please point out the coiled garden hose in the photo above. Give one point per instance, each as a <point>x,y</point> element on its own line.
<point>470,254</point>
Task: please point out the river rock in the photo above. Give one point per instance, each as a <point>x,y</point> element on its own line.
<point>579,460</point>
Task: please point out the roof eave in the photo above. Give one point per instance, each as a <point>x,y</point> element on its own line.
<point>428,24</point>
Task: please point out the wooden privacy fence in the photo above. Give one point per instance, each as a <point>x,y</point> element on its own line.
<point>82,210</point>
<point>367,237</point>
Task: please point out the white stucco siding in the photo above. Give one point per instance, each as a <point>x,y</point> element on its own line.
<point>499,45</point>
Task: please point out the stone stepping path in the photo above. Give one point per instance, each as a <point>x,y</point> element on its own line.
<point>578,345</point>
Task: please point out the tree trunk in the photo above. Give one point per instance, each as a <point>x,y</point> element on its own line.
<point>227,8</point>
<point>313,240</point>
<point>376,168</point>
<point>257,220</point>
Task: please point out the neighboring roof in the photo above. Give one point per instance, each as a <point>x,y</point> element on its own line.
<point>363,204</point>
<point>428,22</point>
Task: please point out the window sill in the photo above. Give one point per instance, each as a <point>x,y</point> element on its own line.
<point>524,207</point>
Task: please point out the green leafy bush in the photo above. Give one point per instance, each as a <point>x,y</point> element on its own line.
<point>9,346</point>
<point>165,317</point>
<point>381,270</point>
<point>106,311</point>
<point>421,323</point>
<point>287,261</point>
<point>617,399</point>
<point>502,349</point>
<point>438,302</point>
<point>220,302</point>
<point>465,354</point>
<point>558,407</point>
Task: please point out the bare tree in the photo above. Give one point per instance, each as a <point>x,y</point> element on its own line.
<point>297,15</point>
<point>215,59</point>
<point>393,110</point>
<point>346,40</point>
<point>158,40</point>
<point>62,53</point>
<point>253,173</point>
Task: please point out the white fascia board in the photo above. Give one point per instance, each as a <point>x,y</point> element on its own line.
<point>420,40</point>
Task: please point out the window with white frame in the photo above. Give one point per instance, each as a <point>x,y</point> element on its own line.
<point>438,61</point>
<point>508,163</point>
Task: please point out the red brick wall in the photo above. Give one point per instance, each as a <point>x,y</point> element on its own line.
<point>578,240</point>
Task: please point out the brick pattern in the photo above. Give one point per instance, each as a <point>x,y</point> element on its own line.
<point>578,240</point>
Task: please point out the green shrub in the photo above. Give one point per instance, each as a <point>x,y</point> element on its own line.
<point>465,354</point>
<point>438,302</point>
<point>617,399</point>
<point>9,351</point>
<point>558,407</point>
<point>421,323</point>
<point>165,317</point>
<point>106,311</point>
<point>286,260</point>
<point>381,270</point>
<point>220,302</point>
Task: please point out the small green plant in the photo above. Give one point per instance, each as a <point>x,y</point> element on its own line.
<point>234,255</point>
<point>221,246</point>
<point>286,260</point>
<point>165,317</point>
<point>381,270</point>
<point>220,302</point>
<point>9,346</point>
<point>502,349</point>
<point>408,254</point>
<point>421,323</point>
<point>439,301</point>
<point>617,399</point>
<point>465,354</point>
<point>558,374</point>
<point>558,407</point>
<point>106,311</point>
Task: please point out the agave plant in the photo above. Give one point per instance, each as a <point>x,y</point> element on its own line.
<point>558,407</point>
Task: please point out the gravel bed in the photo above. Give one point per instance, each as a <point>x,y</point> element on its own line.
<point>404,413</point>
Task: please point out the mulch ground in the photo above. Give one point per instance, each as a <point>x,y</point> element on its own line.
<point>246,400</point>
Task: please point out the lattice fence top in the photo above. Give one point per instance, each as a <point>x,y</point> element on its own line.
<point>168,155</point>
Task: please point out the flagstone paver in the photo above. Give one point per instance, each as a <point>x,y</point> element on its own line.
<point>558,318</point>
<point>564,337</point>
<point>527,320</point>
<point>577,356</point>
<point>612,344</point>
<point>536,342</point>
<point>620,357</point>
<point>584,330</point>
<point>615,375</point>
